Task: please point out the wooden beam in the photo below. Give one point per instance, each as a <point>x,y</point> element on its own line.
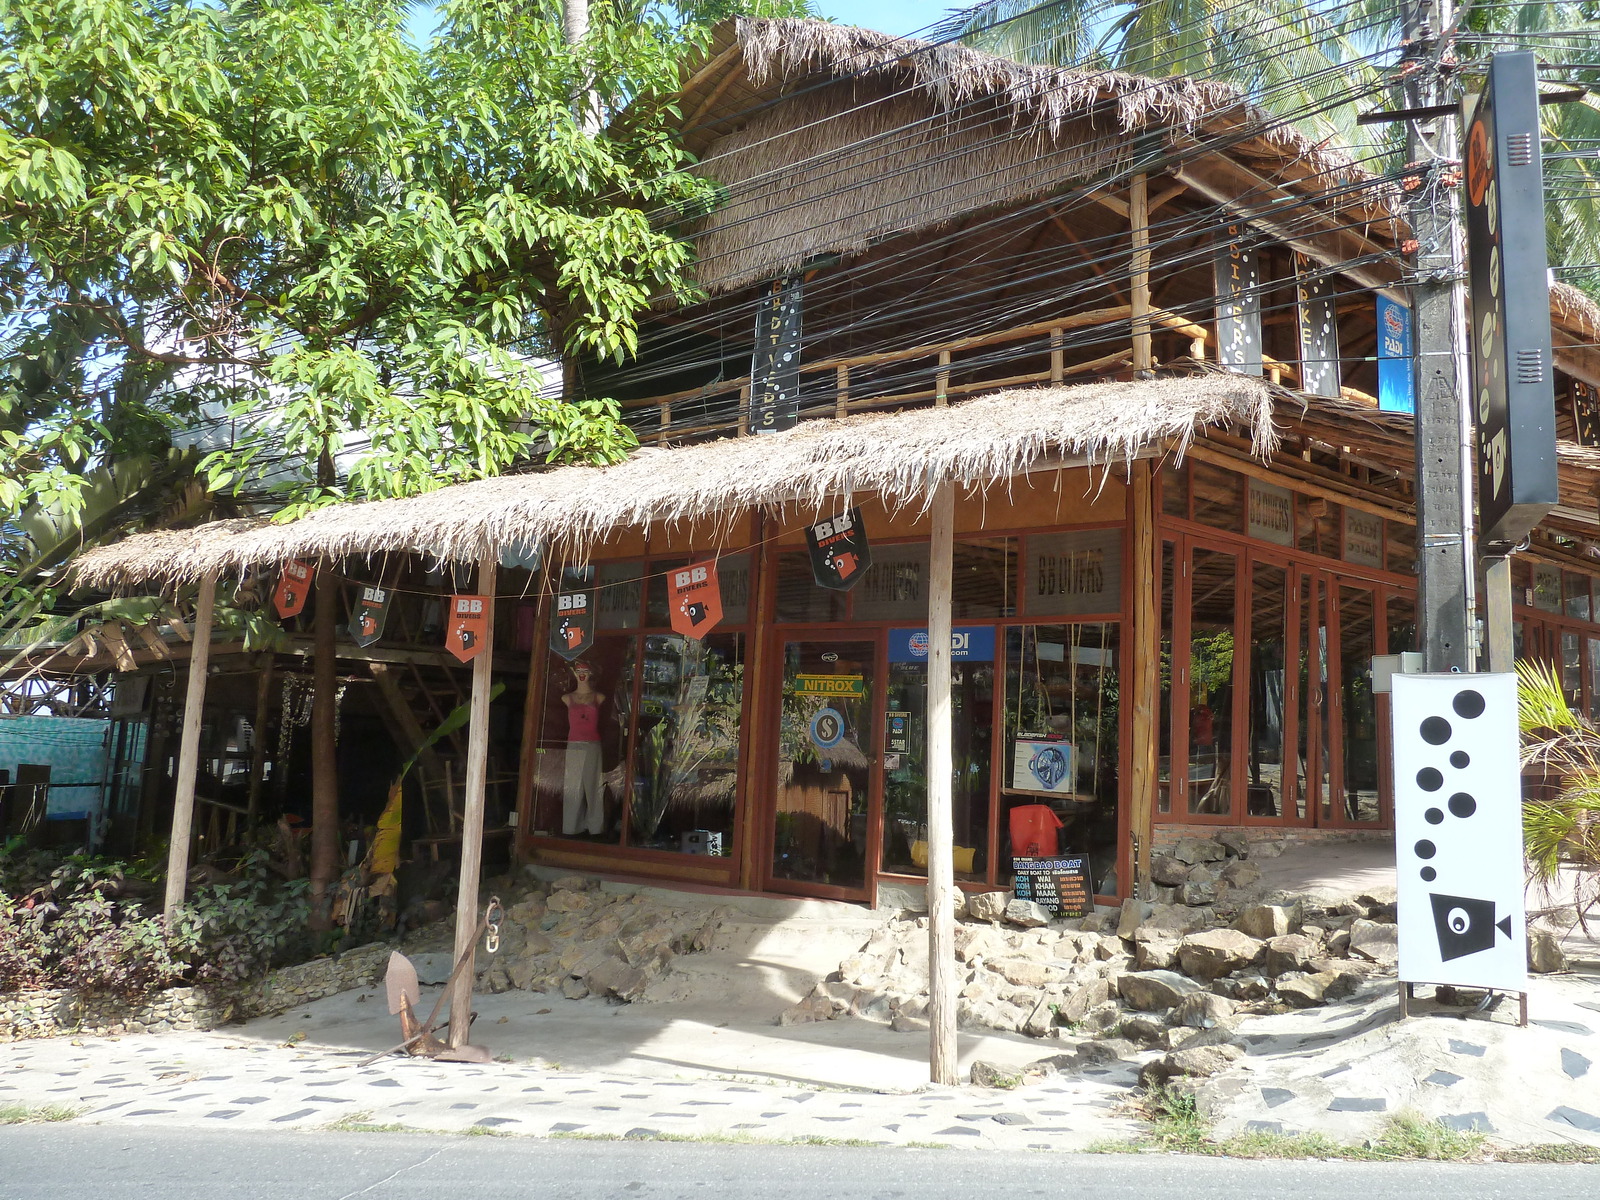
<point>942,1056</point>
<point>1161,200</point>
<point>194,700</point>
<point>1139,283</point>
<point>472,813</point>
<point>1146,682</point>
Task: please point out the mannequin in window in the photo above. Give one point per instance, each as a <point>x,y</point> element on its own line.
<point>582,794</point>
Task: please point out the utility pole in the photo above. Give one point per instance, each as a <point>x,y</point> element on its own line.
<point>1446,580</point>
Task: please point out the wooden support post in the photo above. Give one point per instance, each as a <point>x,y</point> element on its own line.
<point>325,848</point>
<point>666,421</point>
<point>1146,675</point>
<point>1139,294</point>
<point>763,561</point>
<point>532,721</point>
<point>1058,364</point>
<point>258,741</point>
<point>941,381</point>
<point>194,700</point>
<point>942,1054</point>
<point>472,815</point>
<point>841,394</point>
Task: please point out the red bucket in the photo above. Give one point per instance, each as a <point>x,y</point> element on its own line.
<point>1033,831</point>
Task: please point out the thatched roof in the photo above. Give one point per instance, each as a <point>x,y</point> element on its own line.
<point>898,456</point>
<point>828,138</point>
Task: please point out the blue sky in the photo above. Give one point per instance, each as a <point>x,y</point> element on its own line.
<point>887,16</point>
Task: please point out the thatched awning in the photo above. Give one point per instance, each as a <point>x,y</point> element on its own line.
<point>898,456</point>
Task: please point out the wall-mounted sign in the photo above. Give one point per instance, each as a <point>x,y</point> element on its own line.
<point>695,598</point>
<point>895,587</point>
<point>775,367</point>
<point>294,585</point>
<point>967,644</point>
<point>1238,280</point>
<point>372,610</point>
<point>853,686</point>
<point>1396,362</point>
<point>1513,390</point>
<point>1270,513</point>
<point>1586,412</point>
<point>1044,765</point>
<point>1363,538</point>
<point>467,630</point>
<point>1059,884</point>
<point>897,731</point>
<point>1070,574</point>
<point>840,554</point>
<point>1319,331</point>
<point>826,728</point>
<point>572,623</point>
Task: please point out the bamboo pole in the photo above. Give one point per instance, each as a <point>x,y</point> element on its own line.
<point>841,394</point>
<point>1058,361</point>
<point>472,815</point>
<point>194,700</point>
<point>532,721</point>
<point>942,1053</point>
<point>258,741</point>
<point>325,856</point>
<point>1146,674</point>
<point>1139,292</point>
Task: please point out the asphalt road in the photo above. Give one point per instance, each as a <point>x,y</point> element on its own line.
<point>71,1162</point>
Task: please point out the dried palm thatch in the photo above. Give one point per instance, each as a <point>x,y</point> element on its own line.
<point>1575,309</point>
<point>899,456</point>
<point>903,134</point>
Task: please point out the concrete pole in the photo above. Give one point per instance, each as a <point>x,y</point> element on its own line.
<point>942,1053</point>
<point>194,701</point>
<point>472,815</point>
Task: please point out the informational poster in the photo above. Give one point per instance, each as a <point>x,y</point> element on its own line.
<point>967,644</point>
<point>372,611</point>
<point>775,367</point>
<point>1458,831</point>
<point>294,585</point>
<point>572,623</point>
<point>1074,574</point>
<point>1319,330</point>
<point>1238,281</point>
<point>1396,371</point>
<point>1270,513</point>
<point>695,599</point>
<point>1586,412</point>
<point>840,554</point>
<point>1059,884</point>
<point>467,628</point>
<point>897,731</point>
<point>1044,765</point>
<point>1363,538</point>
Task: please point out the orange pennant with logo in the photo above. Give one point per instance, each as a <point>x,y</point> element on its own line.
<point>294,585</point>
<point>467,630</point>
<point>696,605</point>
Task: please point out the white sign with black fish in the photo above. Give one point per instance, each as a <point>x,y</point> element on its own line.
<point>1458,831</point>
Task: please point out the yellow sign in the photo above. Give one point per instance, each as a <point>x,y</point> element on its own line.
<point>830,685</point>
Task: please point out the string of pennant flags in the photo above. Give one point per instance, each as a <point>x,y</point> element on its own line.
<point>838,546</point>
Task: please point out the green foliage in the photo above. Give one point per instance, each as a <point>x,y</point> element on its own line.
<point>1561,824</point>
<point>230,932</point>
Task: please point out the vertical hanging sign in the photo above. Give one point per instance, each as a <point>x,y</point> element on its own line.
<point>840,555</point>
<point>372,610</point>
<point>1238,279</point>
<point>775,368</point>
<point>1586,412</point>
<point>572,623</point>
<point>696,598</point>
<point>1513,392</point>
<point>1396,368</point>
<point>294,585</point>
<point>1319,332</point>
<point>469,623</point>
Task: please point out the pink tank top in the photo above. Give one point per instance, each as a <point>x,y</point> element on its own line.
<point>583,722</point>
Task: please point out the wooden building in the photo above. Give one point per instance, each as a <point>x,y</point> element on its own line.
<point>1135,325</point>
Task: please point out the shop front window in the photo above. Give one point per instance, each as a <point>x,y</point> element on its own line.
<point>1268,650</point>
<point>1062,713</point>
<point>686,749</point>
<point>1357,645</point>
<point>1212,605</point>
<point>580,776</point>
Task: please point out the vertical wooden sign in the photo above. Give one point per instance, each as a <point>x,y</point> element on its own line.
<point>1238,279</point>
<point>775,368</point>
<point>1319,332</point>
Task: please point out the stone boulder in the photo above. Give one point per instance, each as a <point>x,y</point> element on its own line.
<point>1243,987</point>
<point>1028,914</point>
<point>1156,954</point>
<point>1197,1062</point>
<point>1545,955</point>
<point>992,1075</point>
<point>1241,874</point>
<point>1154,991</point>
<point>1305,991</point>
<point>1083,999</point>
<point>1375,942</point>
<point>1143,1029</point>
<point>1168,871</point>
<point>1235,842</point>
<point>987,906</point>
<point>1201,1010</point>
<point>1170,920</point>
<point>1265,921</point>
<point>1292,952</point>
<point>1198,850</point>
<point>1197,893</point>
<point>1133,914</point>
<point>1218,952</point>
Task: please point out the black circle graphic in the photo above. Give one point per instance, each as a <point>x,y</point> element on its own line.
<point>1433,816</point>
<point>1462,805</point>
<point>1430,779</point>
<point>1468,703</point>
<point>1426,849</point>
<point>1436,731</point>
<point>1428,874</point>
<point>1460,760</point>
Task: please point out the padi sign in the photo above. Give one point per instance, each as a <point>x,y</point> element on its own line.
<point>966,645</point>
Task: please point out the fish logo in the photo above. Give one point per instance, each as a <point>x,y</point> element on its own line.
<point>1464,925</point>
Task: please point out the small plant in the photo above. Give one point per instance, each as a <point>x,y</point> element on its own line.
<point>1411,1136</point>
<point>1561,827</point>
<point>36,1114</point>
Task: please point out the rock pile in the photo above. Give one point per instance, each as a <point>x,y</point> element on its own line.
<point>569,936</point>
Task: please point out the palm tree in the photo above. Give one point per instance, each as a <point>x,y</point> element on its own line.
<point>1561,823</point>
<point>1321,65</point>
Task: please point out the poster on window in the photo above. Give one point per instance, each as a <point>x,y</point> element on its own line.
<point>467,628</point>
<point>572,623</point>
<point>1044,765</point>
<point>294,585</point>
<point>840,555</point>
<point>372,611</point>
<point>775,367</point>
<point>1238,281</point>
<point>696,599</point>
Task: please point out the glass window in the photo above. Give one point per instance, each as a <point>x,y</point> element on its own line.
<point>1572,668</point>
<point>686,749</point>
<point>1546,587</point>
<point>1217,500</point>
<point>657,610</point>
<point>1212,606</point>
<point>1575,593</point>
<point>983,578</point>
<point>1074,574</point>
<point>1402,630</point>
<point>733,576</point>
<point>895,586</point>
<point>1175,491</point>
<point>1400,550</point>
<point>1357,645</point>
<point>1594,679</point>
<point>580,778</point>
<point>618,588</point>
<point>1319,527</point>
<point>1264,788</point>
<point>799,597</point>
<point>1061,739</point>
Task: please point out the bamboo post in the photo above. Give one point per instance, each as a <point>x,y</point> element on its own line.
<point>472,816</point>
<point>942,1055</point>
<point>1058,368</point>
<point>744,410</point>
<point>194,700</point>
<point>841,395</point>
<point>258,741</point>
<point>1146,674</point>
<point>1139,293</point>
<point>666,421</point>
<point>325,848</point>
<point>532,723</point>
<point>941,381</point>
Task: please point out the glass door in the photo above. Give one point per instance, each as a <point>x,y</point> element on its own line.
<point>826,744</point>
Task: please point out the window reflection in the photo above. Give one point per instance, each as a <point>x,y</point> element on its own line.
<point>1264,791</point>
<point>1357,645</point>
<point>1212,606</point>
